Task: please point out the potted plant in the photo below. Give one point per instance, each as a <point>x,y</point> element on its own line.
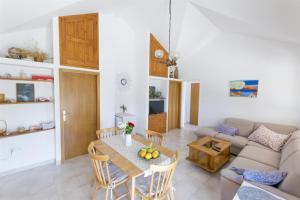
<point>128,131</point>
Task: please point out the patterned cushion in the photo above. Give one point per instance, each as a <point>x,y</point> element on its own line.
<point>268,138</point>
<point>226,129</point>
<point>262,177</point>
<point>116,174</point>
<point>143,185</point>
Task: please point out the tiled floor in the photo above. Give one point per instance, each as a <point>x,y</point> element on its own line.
<point>72,180</point>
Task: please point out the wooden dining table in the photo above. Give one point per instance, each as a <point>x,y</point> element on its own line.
<point>129,168</point>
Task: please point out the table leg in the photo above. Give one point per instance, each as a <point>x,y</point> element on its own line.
<point>133,188</point>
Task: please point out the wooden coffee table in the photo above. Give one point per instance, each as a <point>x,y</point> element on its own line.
<point>209,153</point>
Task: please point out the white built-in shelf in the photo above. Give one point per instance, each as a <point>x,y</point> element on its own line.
<point>165,78</point>
<point>15,133</point>
<point>33,102</point>
<point>22,79</point>
<point>159,78</point>
<point>25,63</point>
<point>175,79</point>
<point>156,99</point>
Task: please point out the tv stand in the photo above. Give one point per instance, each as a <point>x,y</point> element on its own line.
<point>158,122</point>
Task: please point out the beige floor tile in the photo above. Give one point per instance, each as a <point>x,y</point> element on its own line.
<point>73,180</point>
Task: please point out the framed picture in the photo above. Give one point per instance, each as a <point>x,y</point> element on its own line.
<point>244,88</point>
<point>25,92</point>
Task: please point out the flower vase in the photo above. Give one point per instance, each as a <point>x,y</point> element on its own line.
<point>128,140</point>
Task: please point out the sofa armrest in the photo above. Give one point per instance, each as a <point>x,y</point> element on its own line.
<point>205,131</point>
<point>232,176</point>
<point>276,191</point>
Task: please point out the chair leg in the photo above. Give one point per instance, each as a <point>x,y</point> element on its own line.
<point>106,194</point>
<point>95,194</point>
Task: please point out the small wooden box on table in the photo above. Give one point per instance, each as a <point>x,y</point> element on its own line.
<point>203,153</point>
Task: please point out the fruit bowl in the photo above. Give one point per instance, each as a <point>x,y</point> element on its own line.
<point>149,153</point>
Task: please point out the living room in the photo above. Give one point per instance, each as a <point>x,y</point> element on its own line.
<point>200,90</point>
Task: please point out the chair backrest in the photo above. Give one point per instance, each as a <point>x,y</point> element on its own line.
<point>108,132</point>
<point>155,137</point>
<point>100,166</point>
<point>161,178</point>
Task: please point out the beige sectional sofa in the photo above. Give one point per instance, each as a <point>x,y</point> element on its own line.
<point>251,155</point>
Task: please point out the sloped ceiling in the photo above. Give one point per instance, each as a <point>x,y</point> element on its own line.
<point>14,13</point>
<point>274,19</point>
<point>194,21</point>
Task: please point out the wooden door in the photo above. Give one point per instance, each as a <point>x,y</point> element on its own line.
<point>79,111</point>
<point>174,110</point>
<point>156,68</point>
<point>194,104</point>
<point>158,122</point>
<point>79,40</point>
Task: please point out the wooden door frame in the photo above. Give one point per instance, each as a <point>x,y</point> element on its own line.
<point>61,82</point>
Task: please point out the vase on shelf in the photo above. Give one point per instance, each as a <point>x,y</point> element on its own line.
<point>176,73</point>
<point>128,140</point>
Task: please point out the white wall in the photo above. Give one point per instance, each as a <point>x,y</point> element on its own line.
<point>187,86</point>
<point>237,57</point>
<point>118,56</point>
<point>29,39</point>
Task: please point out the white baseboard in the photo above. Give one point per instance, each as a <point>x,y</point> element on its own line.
<point>9,172</point>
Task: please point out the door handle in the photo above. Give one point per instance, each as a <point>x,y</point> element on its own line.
<point>65,114</point>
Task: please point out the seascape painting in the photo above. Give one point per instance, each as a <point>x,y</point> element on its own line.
<point>25,92</point>
<point>244,88</point>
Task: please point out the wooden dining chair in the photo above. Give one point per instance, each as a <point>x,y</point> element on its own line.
<point>107,175</point>
<point>154,137</point>
<point>159,185</point>
<point>108,132</point>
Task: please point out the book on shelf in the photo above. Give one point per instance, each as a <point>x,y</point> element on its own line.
<point>42,78</point>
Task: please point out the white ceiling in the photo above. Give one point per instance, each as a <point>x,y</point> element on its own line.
<point>270,19</point>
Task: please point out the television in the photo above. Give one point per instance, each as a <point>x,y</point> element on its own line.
<point>157,106</point>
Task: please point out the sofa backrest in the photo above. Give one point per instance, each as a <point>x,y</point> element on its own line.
<point>245,126</point>
<point>289,162</point>
<point>278,128</point>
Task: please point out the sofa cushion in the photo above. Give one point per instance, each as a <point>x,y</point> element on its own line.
<point>251,143</point>
<point>245,163</point>
<point>289,150</point>
<point>265,156</point>
<point>294,136</point>
<point>292,182</point>
<point>278,128</point>
<point>245,126</point>
<point>237,141</point>
<point>269,138</point>
<point>205,131</point>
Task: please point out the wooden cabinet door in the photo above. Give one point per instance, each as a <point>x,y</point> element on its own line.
<point>194,103</point>
<point>79,41</point>
<point>174,110</point>
<point>157,122</point>
<point>79,109</point>
<point>156,68</point>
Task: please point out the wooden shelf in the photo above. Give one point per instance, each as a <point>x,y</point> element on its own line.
<point>36,102</point>
<point>20,79</point>
<point>12,134</point>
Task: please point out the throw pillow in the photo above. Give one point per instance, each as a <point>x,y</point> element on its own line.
<point>268,138</point>
<point>271,178</point>
<point>226,129</point>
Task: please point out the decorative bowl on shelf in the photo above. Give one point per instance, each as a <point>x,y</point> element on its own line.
<point>3,127</point>
<point>149,153</point>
